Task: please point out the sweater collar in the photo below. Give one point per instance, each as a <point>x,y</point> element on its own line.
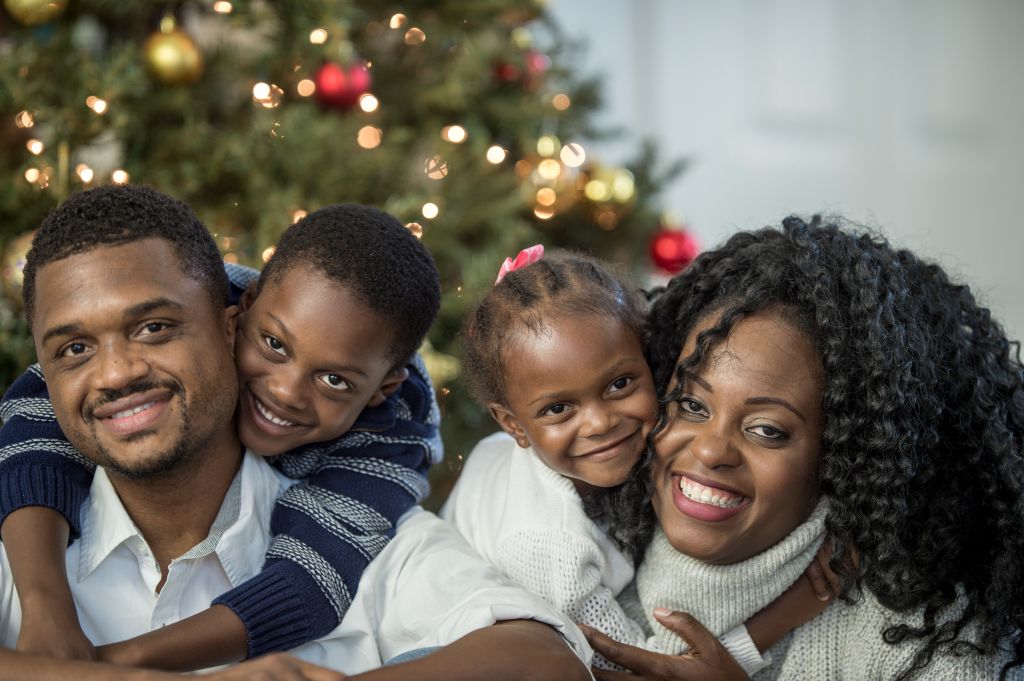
<point>723,596</point>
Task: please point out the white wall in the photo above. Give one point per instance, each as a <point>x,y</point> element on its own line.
<point>907,115</point>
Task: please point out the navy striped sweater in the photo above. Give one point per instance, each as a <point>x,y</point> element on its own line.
<point>326,529</point>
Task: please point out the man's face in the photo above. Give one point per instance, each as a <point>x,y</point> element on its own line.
<point>136,356</point>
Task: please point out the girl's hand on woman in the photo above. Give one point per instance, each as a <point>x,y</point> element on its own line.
<point>707,659</point>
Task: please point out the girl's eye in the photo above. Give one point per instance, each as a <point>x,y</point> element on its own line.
<point>335,382</point>
<point>769,432</point>
<point>620,383</point>
<point>73,349</point>
<point>274,344</point>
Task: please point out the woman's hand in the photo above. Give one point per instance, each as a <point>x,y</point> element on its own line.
<point>707,659</point>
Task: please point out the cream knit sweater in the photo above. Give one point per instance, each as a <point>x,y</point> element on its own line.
<point>842,644</point>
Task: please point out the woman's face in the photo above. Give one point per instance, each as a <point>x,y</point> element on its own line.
<point>737,465</point>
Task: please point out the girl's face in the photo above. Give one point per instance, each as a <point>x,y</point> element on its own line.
<point>737,466</point>
<point>581,394</point>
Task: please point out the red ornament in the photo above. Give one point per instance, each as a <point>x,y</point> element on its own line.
<point>673,248</point>
<point>339,87</point>
<point>529,74</point>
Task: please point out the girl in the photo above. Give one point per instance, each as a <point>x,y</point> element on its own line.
<point>555,352</point>
<point>823,383</point>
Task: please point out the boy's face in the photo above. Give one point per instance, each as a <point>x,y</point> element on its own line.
<point>310,357</point>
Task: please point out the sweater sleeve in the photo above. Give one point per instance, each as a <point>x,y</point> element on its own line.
<point>331,525</point>
<point>38,466</point>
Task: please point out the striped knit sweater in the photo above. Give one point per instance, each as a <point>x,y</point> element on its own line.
<point>326,528</point>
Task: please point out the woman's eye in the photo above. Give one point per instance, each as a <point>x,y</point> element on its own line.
<point>274,344</point>
<point>335,382</point>
<point>690,406</point>
<point>620,383</point>
<point>769,432</point>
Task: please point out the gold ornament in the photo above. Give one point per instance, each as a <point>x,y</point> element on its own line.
<point>35,12</point>
<point>171,55</point>
<point>13,265</point>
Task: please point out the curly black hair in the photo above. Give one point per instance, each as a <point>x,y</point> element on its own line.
<point>374,256</point>
<point>924,409</point>
<point>560,284</point>
<point>113,215</point>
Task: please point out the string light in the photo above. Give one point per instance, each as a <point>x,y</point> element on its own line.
<point>496,154</point>
<point>318,36</point>
<point>298,214</point>
<point>523,167</point>
<point>430,210</point>
<point>561,101</point>
<point>306,87</point>
<point>231,258</point>
<point>268,253</point>
<point>267,95</point>
<point>84,172</point>
<point>35,146</point>
<point>597,190</point>
<point>573,155</point>
<point>368,103</point>
<point>397,21</point>
<point>369,137</point>
<point>623,186</point>
<point>543,213</point>
<point>416,229</point>
<point>32,174</point>
<point>435,167</point>
<point>456,134</point>
<point>222,7</point>
<point>546,196</point>
<point>119,177</point>
<point>260,91</point>
<point>415,36</point>
<point>24,119</point>
<point>549,169</point>
<point>548,145</point>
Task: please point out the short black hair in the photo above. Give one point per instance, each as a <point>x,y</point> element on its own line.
<point>113,215</point>
<point>374,256</point>
<point>560,284</point>
<point>923,447</point>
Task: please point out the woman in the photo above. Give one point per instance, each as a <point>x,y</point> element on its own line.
<point>819,384</point>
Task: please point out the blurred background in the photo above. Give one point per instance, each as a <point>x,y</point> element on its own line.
<point>640,131</point>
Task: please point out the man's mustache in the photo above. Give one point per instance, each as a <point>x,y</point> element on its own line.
<point>108,396</point>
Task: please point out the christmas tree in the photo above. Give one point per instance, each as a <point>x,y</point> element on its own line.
<point>462,118</point>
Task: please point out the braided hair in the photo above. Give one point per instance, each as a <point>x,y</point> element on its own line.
<point>560,285</point>
<point>924,417</point>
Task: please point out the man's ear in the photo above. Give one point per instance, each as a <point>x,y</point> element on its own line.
<point>509,423</point>
<point>389,386</point>
<point>231,326</point>
<point>248,295</point>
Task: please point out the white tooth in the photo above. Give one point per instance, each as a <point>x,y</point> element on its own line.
<point>132,411</point>
<point>705,496</point>
<point>716,500</point>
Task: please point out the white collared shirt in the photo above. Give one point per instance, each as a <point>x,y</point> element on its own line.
<point>427,588</point>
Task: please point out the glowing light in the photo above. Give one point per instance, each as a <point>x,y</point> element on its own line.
<point>607,219</point>
<point>368,103</point>
<point>543,213</point>
<point>455,134</point>
<point>222,7</point>
<point>430,210</point>
<point>523,167</point>
<point>623,186</point>
<point>35,146</point>
<point>84,173</point>
<point>90,100</point>
<point>597,190</point>
<point>267,95</point>
<point>415,36</point>
<point>416,229</point>
<point>561,101</point>
<point>260,91</point>
<point>318,36</point>
<point>522,37</point>
<point>435,167</point>
<point>548,145</point>
<point>306,87</point>
<point>32,174</point>
<point>546,196</point>
<point>98,105</point>
<point>397,20</point>
<point>496,154</point>
<point>119,177</point>
<point>369,137</point>
<point>268,253</point>
<point>573,155</point>
<point>549,169</point>
<point>231,258</point>
<point>298,214</point>
<point>24,119</point>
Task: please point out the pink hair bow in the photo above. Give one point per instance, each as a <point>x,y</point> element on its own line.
<point>527,256</point>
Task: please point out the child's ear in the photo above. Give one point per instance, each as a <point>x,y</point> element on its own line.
<point>509,423</point>
<point>248,295</point>
<point>389,386</point>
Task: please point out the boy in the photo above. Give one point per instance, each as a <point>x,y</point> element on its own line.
<point>327,376</point>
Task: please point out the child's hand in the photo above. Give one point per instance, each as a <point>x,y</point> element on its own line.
<point>49,630</point>
<point>277,667</point>
<point>826,584</point>
<point>707,658</point>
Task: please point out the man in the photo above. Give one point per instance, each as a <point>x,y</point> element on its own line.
<point>135,342</point>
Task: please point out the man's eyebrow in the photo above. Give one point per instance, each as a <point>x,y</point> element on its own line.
<point>62,330</point>
<point>148,306</point>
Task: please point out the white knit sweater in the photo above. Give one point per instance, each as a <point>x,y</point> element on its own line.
<point>528,521</point>
<point>842,644</point>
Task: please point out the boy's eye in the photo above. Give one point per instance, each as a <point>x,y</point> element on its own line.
<point>335,382</point>
<point>555,409</point>
<point>153,327</point>
<point>620,383</point>
<point>274,344</point>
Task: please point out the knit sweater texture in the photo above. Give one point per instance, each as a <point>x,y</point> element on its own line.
<point>842,644</point>
<point>327,528</point>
